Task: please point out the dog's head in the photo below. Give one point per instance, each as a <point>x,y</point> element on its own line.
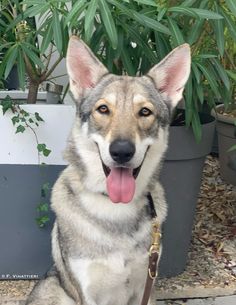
<point>126,118</point>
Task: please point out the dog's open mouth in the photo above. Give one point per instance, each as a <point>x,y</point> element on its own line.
<point>121,182</point>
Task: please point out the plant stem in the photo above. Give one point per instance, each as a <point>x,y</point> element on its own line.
<point>48,73</point>
<point>33,92</point>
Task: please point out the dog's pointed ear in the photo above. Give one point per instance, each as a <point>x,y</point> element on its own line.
<point>83,67</point>
<point>171,74</point>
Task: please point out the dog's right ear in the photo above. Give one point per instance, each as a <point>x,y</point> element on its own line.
<point>83,67</point>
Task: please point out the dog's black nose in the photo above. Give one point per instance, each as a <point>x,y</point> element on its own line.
<point>122,151</point>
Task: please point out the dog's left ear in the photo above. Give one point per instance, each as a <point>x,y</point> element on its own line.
<point>171,74</point>
<point>83,67</point>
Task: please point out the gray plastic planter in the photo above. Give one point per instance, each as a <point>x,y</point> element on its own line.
<point>226,131</point>
<point>181,178</point>
<point>25,248</point>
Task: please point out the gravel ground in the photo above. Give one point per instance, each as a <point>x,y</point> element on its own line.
<point>211,269</point>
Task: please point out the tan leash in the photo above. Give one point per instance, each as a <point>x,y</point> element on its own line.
<point>153,255</point>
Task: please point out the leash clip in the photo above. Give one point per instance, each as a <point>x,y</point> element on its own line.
<point>156,238</point>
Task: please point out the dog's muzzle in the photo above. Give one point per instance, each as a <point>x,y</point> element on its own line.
<point>120,179</point>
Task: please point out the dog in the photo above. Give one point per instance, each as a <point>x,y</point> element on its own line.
<point>102,231</point>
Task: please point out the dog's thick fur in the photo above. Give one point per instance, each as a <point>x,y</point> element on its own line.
<point>100,248</point>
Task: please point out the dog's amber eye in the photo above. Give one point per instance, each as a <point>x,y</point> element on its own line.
<point>145,112</point>
<point>103,109</point>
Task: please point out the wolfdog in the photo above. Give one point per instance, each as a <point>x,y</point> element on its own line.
<point>102,230</point>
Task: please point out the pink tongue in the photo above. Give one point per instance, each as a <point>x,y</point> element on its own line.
<point>121,185</point>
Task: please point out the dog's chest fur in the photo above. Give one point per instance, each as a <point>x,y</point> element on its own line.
<point>107,256</point>
<point>116,278</point>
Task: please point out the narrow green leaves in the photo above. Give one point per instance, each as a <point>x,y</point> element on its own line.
<point>231,5</point>
<point>183,10</point>
<point>210,78</point>
<point>206,14</point>
<point>151,23</point>
<point>108,23</point>
<point>32,55</point>
<point>89,19</point>
<point>10,59</point>
<point>218,26</point>
<point>221,72</point>
<point>176,34</point>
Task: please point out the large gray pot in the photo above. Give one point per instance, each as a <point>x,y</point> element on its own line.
<point>25,248</point>
<point>181,178</point>
<point>226,131</point>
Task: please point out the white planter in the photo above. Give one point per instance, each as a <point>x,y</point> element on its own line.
<point>21,148</point>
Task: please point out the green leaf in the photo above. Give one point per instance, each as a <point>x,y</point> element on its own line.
<point>57,31</point>
<point>210,78</point>
<point>32,56</point>
<point>38,117</point>
<point>205,56</point>
<point>206,14</point>
<point>7,104</point>
<point>162,46</point>
<point>188,100</point>
<point>41,147</point>
<point>42,207</point>
<point>89,19</point>
<point>136,37</point>
<point>200,94</point>
<point>196,72</point>
<point>232,6</point>
<point>10,59</point>
<point>75,12</point>
<point>231,74</point>
<point>197,128</point>
<point>146,2</point>
<point>150,23</point>
<point>161,13</point>
<point>176,34</point>
<point>232,148</point>
<point>230,24</point>
<point>47,36</point>
<point>187,3</point>
<point>218,26</point>
<point>183,10</point>
<point>20,128</point>
<point>42,221</point>
<point>46,152</point>
<point>15,119</point>
<point>195,31</point>
<point>108,23</point>
<point>127,62</point>
<point>36,9</point>
<point>221,72</point>
<point>45,189</point>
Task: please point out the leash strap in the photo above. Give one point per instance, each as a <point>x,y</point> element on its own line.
<point>153,253</point>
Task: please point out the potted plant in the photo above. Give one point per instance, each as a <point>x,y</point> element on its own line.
<point>225,113</point>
